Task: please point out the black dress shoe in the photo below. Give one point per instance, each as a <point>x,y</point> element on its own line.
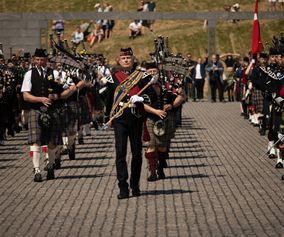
<point>64,151</point>
<point>123,195</point>
<point>152,178</point>
<point>37,177</point>
<point>136,192</point>
<point>279,165</point>
<point>50,174</point>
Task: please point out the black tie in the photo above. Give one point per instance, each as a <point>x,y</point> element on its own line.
<point>41,71</point>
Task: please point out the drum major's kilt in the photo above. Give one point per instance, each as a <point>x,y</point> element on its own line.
<point>84,114</point>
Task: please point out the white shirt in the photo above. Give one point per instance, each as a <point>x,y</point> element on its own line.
<point>27,83</point>
<point>104,70</point>
<point>135,27</point>
<point>198,72</point>
<point>77,37</point>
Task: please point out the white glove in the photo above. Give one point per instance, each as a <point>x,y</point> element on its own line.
<point>280,137</point>
<point>250,86</point>
<point>154,79</point>
<point>136,98</point>
<point>279,100</point>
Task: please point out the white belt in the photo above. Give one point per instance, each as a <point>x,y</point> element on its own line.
<point>131,105</point>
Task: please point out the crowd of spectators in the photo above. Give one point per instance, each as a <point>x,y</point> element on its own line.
<point>93,33</point>
<point>274,5</point>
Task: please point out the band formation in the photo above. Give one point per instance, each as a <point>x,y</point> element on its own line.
<point>59,95</point>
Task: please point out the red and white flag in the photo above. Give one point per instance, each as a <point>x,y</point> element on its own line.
<point>256,45</point>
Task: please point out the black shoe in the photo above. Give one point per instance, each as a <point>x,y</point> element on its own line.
<point>279,165</point>
<point>50,174</point>
<point>57,164</point>
<point>136,192</point>
<point>123,195</point>
<point>81,141</point>
<point>64,151</point>
<point>37,177</point>
<point>152,178</point>
<point>161,174</point>
<point>272,156</point>
<point>71,152</point>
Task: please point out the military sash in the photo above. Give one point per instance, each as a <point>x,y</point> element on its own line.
<point>125,87</point>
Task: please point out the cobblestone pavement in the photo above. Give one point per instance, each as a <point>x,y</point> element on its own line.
<point>218,184</point>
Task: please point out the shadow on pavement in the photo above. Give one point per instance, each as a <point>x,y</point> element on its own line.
<point>90,176</point>
<point>165,192</point>
<point>193,176</point>
<point>82,166</point>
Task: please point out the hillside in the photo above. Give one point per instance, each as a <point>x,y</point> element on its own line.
<point>184,36</point>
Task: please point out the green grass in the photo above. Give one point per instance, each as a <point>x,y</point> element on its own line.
<point>184,36</point>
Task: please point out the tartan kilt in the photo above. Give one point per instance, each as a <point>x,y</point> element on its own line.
<point>35,131</point>
<point>171,123</point>
<point>161,141</point>
<point>257,100</point>
<point>70,118</point>
<point>84,113</point>
<point>57,124</point>
<point>43,136</point>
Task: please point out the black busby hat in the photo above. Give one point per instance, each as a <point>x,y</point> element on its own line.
<point>149,65</point>
<point>273,51</point>
<point>40,53</point>
<point>125,51</point>
<point>263,55</point>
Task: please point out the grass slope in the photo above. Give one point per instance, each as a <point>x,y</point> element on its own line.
<point>184,36</point>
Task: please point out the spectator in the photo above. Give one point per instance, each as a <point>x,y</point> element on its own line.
<point>87,29</point>
<point>98,35</point>
<point>107,25</point>
<point>147,6</point>
<point>77,38</point>
<point>135,29</point>
<point>271,5</point>
<point>281,4</point>
<point>58,27</point>
<point>215,70</point>
<point>198,75</point>
<point>111,24</point>
<point>228,79</point>
<point>189,87</point>
<point>99,8</point>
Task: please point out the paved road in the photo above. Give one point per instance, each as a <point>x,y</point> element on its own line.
<point>218,184</point>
